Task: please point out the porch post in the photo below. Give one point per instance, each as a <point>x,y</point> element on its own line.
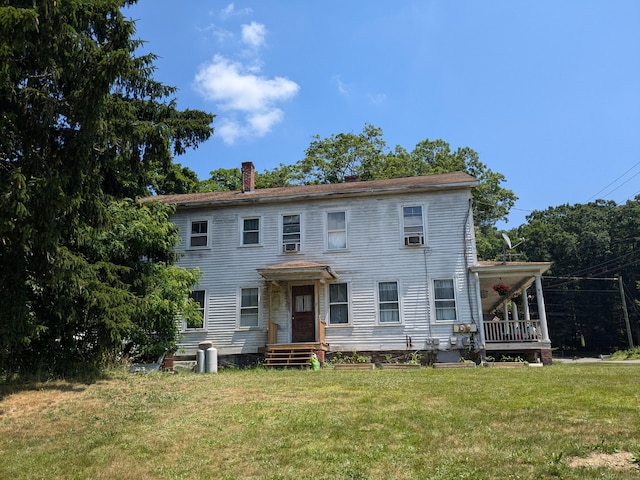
<point>480,313</point>
<point>514,304</point>
<point>525,305</point>
<point>272,328</point>
<point>318,320</point>
<point>541,309</point>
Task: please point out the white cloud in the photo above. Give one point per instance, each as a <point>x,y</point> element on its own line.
<point>227,11</point>
<point>230,10</point>
<point>229,130</point>
<point>351,91</point>
<point>253,34</point>
<point>249,99</point>
<point>221,35</point>
<point>343,88</point>
<point>377,99</point>
<point>261,122</point>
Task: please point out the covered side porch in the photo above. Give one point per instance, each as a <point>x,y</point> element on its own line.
<point>295,329</point>
<point>507,294</point>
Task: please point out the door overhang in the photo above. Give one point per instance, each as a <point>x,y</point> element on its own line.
<point>298,271</point>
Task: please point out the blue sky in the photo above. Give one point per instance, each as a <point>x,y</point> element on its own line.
<point>546,91</point>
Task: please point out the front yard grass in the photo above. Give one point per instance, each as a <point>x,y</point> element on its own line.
<point>297,424</point>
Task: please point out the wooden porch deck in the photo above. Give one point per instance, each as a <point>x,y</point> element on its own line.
<point>286,355</point>
<point>517,337</point>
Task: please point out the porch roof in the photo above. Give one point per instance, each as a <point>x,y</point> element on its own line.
<point>516,275</point>
<point>297,270</point>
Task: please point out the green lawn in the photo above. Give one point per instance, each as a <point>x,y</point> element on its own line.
<point>482,423</point>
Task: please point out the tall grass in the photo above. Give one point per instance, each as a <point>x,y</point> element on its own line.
<point>266,424</point>
<point>630,354</point>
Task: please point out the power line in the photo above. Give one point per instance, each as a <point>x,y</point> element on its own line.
<point>597,193</point>
<point>591,268</point>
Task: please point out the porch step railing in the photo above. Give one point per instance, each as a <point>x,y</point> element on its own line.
<point>289,356</point>
<point>506,331</point>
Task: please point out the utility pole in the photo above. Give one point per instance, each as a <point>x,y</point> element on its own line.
<point>626,314</point>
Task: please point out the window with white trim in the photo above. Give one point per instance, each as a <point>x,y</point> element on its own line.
<point>249,307</point>
<point>388,302</point>
<point>413,225</point>
<point>445,300</point>
<point>251,231</point>
<point>199,234</point>
<point>291,233</point>
<point>338,304</point>
<point>336,230</point>
<point>197,296</point>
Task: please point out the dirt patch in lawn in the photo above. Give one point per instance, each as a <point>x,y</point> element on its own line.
<point>42,398</point>
<point>615,461</point>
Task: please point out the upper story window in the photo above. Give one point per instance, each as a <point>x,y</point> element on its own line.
<point>445,300</point>
<point>388,302</point>
<point>251,231</point>
<point>199,234</point>
<point>338,304</point>
<point>291,233</point>
<point>197,296</point>
<point>413,225</point>
<point>249,310</point>
<point>336,230</point>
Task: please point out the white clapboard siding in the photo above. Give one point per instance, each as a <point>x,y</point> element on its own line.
<point>376,252</point>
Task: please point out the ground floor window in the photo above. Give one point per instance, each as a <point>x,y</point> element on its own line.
<point>388,304</point>
<point>445,300</point>
<point>249,307</point>
<point>197,296</point>
<point>338,304</point>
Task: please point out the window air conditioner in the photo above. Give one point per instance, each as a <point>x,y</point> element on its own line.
<point>290,247</point>
<point>414,240</point>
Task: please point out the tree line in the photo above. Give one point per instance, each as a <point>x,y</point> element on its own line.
<point>590,245</point>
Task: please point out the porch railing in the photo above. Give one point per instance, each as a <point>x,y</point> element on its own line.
<point>513,331</point>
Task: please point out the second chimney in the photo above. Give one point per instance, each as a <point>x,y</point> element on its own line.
<point>248,177</point>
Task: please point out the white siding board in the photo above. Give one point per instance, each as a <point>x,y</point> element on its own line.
<point>375,253</point>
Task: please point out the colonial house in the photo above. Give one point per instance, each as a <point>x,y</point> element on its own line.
<point>365,266</point>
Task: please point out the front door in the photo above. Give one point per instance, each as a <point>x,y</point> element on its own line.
<point>303,327</point>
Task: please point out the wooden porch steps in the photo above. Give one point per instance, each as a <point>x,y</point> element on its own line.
<point>289,355</point>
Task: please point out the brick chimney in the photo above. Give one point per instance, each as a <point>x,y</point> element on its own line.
<point>248,177</point>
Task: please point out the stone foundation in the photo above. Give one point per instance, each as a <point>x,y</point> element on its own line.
<point>545,356</point>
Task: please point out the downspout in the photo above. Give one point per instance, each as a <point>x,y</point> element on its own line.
<point>427,289</point>
<point>466,262</point>
<point>478,322</point>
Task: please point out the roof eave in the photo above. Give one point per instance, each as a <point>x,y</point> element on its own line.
<point>253,197</point>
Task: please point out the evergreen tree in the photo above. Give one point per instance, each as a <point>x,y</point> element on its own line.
<point>83,125</point>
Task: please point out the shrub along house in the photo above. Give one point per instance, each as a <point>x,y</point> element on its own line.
<point>375,266</point>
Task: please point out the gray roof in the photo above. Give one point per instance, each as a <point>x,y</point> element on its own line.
<point>444,181</point>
